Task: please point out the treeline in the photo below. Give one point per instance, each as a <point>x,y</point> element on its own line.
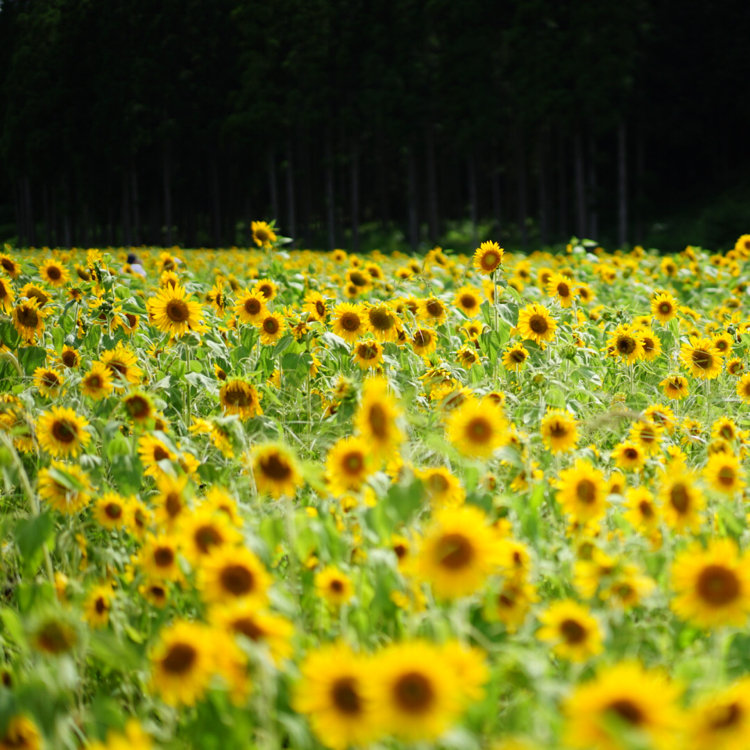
<point>132,121</point>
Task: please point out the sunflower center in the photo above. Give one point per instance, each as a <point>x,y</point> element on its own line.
<point>468,301</point>
<point>94,381</point>
<point>414,693</point>
<point>179,659</point>
<point>266,289</point>
<point>163,556</point>
<point>252,306</point>
<point>138,407</point>
<point>50,379</point>
<point>563,289</point>
<point>64,431</point>
<point>237,579</point>
<point>517,356</point>
<point>54,273</point>
<point>349,321</point>
<point>345,697</point>
<point>679,498</point>
<point>378,420</point>
<point>718,585</point>
<point>100,605</point>
<point>69,358</point>
<point>177,311</point>
<point>646,509</point>
<point>702,359</point>
<point>271,325</point>
<point>320,308</point>
<point>572,631</point>
<point>665,308</point>
<point>400,550</point>
<point>116,365</point>
<point>626,344</point>
<point>237,396</point>
<point>275,467</point>
<point>490,260</point>
<point>55,637</point>
<point>422,338</point>
<point>337,586</point>
<point>586,491</point>
<point>8,265</point>
<point>454,551</point>
<point>479,430</point>
<point>627,710</point>
<point>368,351</point>
<point>726,476</point>
<point>113,511</point>
<point>207,537</point>
<point>353,462</point>
<point>173,504</point>
<point>160,454</point>
<point>381,319</point>
<point>558,430</point>
<point>723,717</point>
<point>358,279</point>
<point>27,316</point>
<point>434,308</point>
<point>538,324</point>
<point>437,483</point>
<point>248,627</point>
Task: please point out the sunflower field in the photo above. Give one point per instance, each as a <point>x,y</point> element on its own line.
<point>268,498</point>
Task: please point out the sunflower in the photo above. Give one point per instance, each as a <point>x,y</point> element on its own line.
<point>675,387</point>
<point>316,306</point>
<point>626,343</point>
<point>172,311</point>
<point>233,573</point>
<point>477,427</point>
<point>382,322</point>
<point>424,341</point>
<point>623,701</point>
<point>377,418</point>
<point>572,631</point>
<point>48,381</point>
<point>69,357</point>
<point>139,407</point>
<point>241,398</point>
<point>182,663</point>
<point>10,266</point>
<point>28,319</point>
<point>55,636</point>
<point>743,388</point>
<point>488,257</point>
<point>511,604</point>
<point>514,357</point>
<point>275,470</point>
<point>629,455</point>
<point>536,324</point>
<point>159,559</point>
<point>110,510</point>
<point>54,273</point>
<point>702,359</point>
<point>582,492</point>
<point>271,327</point>
<point>468,300</point>
<point>349,321</point>
<point>457,553</point>
<point>724,428</point>
<point>263,234</point>
<point>21,733</point>
<point>651,344</point>
<point>663,307</point>
<point>34,291</point>
<point>721,720</point>
<point>251,307</point>
<point>98,605</point>
<point>712,586</point>
<point>641,511</point>
<point>648,435</point>
<point>467,356</point>
<point>332,693</point>
<point>152,451</point>
<point>560,287</point>
<point>414,691</point>
<point>681,500</point>
<point>348,465</point>
<point>724,473</point>
<point>122,362</point>
<point>243,618</point>
<point>203,531</point>
<point>443,488</point>
<point>97,382</point>
<point>66,487</point>
<point>7,296</point>
<point>559,431</point>
<point>62,433</point>
<point>334,586</point>
<point>368,354</point>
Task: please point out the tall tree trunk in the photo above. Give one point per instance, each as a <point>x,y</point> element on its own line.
<point>46,212</point>
<point>521,186</point>
<point>562,190</point>
<point>330,194</point>
<point>640,173</point>
<point>432,185</point>
<point>354,167</point>
<point>29,210</point>
<point>127,235</point>
<point>167,188</point>
<point>273,186</point>
<point>593,198</point>
<point>542,191</point>
<point>580,184</point>
<point>216,201</point>
<point>381,179</point>
<point>622,185</point>
<point>412,199</point>
<point>471,176</point>
<point>497,207</point>
<point>136,205</point>
<point>290,203</point>
<point>20,212</point>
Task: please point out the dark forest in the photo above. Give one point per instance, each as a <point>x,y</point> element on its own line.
<point>353,122</point>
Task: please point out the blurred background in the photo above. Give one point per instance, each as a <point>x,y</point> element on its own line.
<point>374,123</point>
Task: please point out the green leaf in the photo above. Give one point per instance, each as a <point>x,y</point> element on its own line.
<point>31,535</point>
<point>31,357</point>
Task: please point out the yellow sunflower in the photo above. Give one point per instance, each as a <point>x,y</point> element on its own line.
<point>54,273</point>
<point>675,387</point>
<point>28,319</point>
<point>368,354</point>
<point>377,418</point>
<point>562,289</point>
<point>712,586</point>
<point>349,322</point>
<point>275,470</point>
<point>62,433</point>
<point>152,451</point>
<point>626,343</point>
<point>233,573</point>
<point>488,257</point>
<point>572,631</point>
<point>122,362</point>
<point>241,398</point>
<point>681,499</point>
<point>10,266</point>
<point>7,295</point>
<point>514,357</point>
<point>458,552</point>
<point>98,605</point>
<point>159,558</point>
<point>271,327</point>
<point>559,431</point>
<point>348,465</point>
<point>203,531</point>
<point>382,322</point>
<point>21,733</point>
<point>172,311</point>
<point>724,473</point>
<point>478,427</point>
<point>251,307</point>
<point>110,510</point>
<point>424,341</point>
<point>582,492</point>
<point>468,300</point>
<point>442,487</point>
<point>663,307</point>
<point>48,381</point>
<point>702,359</point>
<point>97,382</point>
<point>66,487</point>
<point>263,234</point>
<point>332,694</point>
<point>536,324</point>
<point>622,705</point>
<point>334,586</point>
<point>721,720</point>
